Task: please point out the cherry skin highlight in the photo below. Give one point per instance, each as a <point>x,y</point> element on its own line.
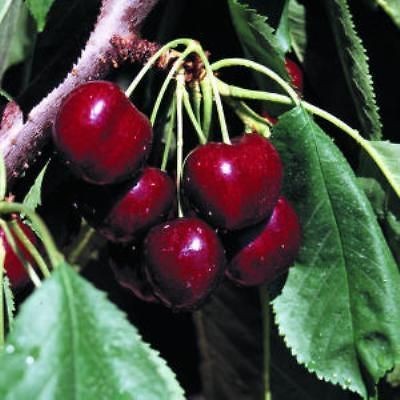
<point>123,212</point>
<point>233,186</point>
<point>266,251</point>
<point>14,268</point>
<point>101,134</point>
<point>295,73</point>
<point>126,263</point>
<point>184,261</point>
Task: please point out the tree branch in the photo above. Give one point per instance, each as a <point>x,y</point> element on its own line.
<point>118,20</point>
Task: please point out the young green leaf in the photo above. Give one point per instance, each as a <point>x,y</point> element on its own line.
<point>69,342</point>
<point>9,19</point>
<point>291,32</point>
<point>392,8</point>
<point>39,10</point>
<point>339,308</point>
<point>33,198</point>
<point>257,37</point>
<point>387,155</point>
<point>355,65</point>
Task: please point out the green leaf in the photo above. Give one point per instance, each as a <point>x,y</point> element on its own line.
<point>392,8</point>
<point>387,155</point>
<point>22,39</point>
<point>39,10</point>
<point>339,308</point>
<point>291,32</point>
<point>33,198</point>
<point>69,342</point>
<point>355,65</point>
<point>375,194</point>
<point>291,381</point>
<point>229,331</point>
<point>9,20</point>
<point>257,37</point>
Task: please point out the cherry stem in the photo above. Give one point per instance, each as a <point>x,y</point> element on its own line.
<point>3,178</point>
<point>5,95</point>
<point>10,239</point>
<point>196,96</point>
<point>180,87</point>
<point>206,91</point>
<point>241,62</point>
<point>177,65</point>
<point>192,117</point>
<point>31,248</point>
<point>266,322</point>
<point>217,97</point>
<point>55,256</point>
<point>82,244</point>
<point>2,316</point>
<point>252,120</point>
<point>152,60</point>
<point>169,135</point>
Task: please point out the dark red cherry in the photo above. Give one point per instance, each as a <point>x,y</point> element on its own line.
<point>267,250</point>
<point>126,263</point>
<point>123,212</point>
<point>295,73</point>
<point>101,134</point>
<point>14,268</point>
<point>233,186</point>
<point>184,260</point>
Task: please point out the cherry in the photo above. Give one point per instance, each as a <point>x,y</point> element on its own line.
<point>123,212</point>
<point>126,263</point>
<point>184,261</point>
<point>295,74</point>
<point>101,134</point>
<point>266,251</point>
<point>233,186</point>
<point>13,266</point>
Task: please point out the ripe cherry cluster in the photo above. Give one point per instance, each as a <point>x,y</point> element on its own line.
<point>232,195</point>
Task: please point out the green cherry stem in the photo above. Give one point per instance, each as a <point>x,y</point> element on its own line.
<point>252,120</point>
<point>10,239</point>
<point>152,60</point>
<point>240,62</point>
<point>54,255</point>
<point>217,97</point>
<point>169,135</point>
<point>6,95</point>
<point>180,87</point>
<point>227,90</point>
<point>31,248</point>
<point>177,64</point>
<point>207,94</point>
<point>192,117</point>
<point>196,97</point>
<point>2,316</point>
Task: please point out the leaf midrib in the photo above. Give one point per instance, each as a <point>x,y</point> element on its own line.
<point>71,312</point>
<point>340,239</point>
